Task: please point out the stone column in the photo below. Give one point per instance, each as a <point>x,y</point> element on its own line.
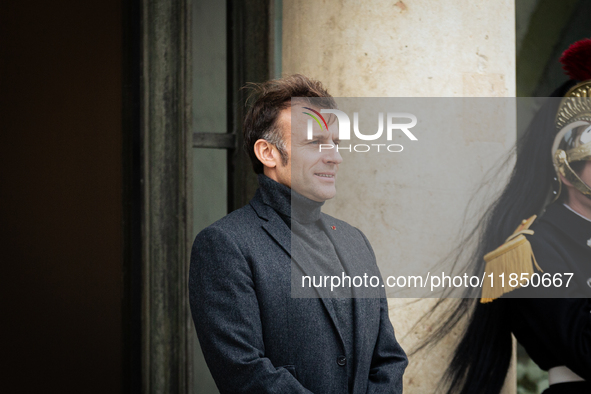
<point>166,223</point>
<point>410,48</point>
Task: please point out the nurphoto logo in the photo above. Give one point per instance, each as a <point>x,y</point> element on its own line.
<point>392,124</point>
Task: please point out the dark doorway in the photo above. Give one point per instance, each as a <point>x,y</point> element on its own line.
<point>61,198</point>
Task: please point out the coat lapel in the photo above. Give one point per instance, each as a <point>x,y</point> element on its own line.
<point>281,233</point>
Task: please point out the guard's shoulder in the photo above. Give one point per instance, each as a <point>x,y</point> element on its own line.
<point>514,256</point>
<point>545,243</point>
<point>541,228</point>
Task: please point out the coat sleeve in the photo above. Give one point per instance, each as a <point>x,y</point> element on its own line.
<point>389,359</point>
<point>227,319</point>
<point>562,326</point>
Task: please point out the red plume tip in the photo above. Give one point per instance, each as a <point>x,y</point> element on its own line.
<point>576,60</point>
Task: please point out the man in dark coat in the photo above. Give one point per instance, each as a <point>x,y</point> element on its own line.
<point>256,337</point>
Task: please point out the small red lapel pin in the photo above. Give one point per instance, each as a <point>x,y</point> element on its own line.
<point>333,227</point>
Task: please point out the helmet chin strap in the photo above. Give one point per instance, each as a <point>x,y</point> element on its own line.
<point>566,170</point>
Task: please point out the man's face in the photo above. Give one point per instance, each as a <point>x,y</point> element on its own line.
<point>575,199</point>
<point>585,176</point>
<point>309,171</point>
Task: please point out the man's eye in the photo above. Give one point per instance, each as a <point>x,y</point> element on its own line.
<point>316,142</point>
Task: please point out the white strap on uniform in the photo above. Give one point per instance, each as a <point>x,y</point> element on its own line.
<point>562,375</point>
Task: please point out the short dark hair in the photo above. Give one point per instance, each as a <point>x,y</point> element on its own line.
<point>267,100</point>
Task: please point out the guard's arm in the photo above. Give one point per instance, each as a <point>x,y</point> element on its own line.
<point>563,325</point>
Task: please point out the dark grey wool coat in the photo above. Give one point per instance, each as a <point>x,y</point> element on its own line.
<point>256,338</point>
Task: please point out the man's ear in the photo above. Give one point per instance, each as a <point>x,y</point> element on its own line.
<point>266,153</point>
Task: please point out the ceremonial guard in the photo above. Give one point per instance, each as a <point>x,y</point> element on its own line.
<point>552,320</point>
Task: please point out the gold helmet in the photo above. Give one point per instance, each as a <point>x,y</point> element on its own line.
<point>573,119</point>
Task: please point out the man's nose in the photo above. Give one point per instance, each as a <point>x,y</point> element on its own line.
<point>333,156</point>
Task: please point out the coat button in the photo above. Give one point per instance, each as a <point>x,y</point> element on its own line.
<point>589,282</point>
<point>342,360</point>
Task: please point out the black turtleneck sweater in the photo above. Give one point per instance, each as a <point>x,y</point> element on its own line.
<point>311,244</point>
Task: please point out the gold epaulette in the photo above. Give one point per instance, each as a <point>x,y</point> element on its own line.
<point>514,256</point>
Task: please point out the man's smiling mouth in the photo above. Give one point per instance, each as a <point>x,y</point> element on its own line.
<point>324,175</point>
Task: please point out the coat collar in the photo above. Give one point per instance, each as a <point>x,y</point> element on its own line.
<point>273,224</point>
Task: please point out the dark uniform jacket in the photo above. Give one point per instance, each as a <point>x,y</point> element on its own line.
<point>557,331</point>
<point>256,338</point>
